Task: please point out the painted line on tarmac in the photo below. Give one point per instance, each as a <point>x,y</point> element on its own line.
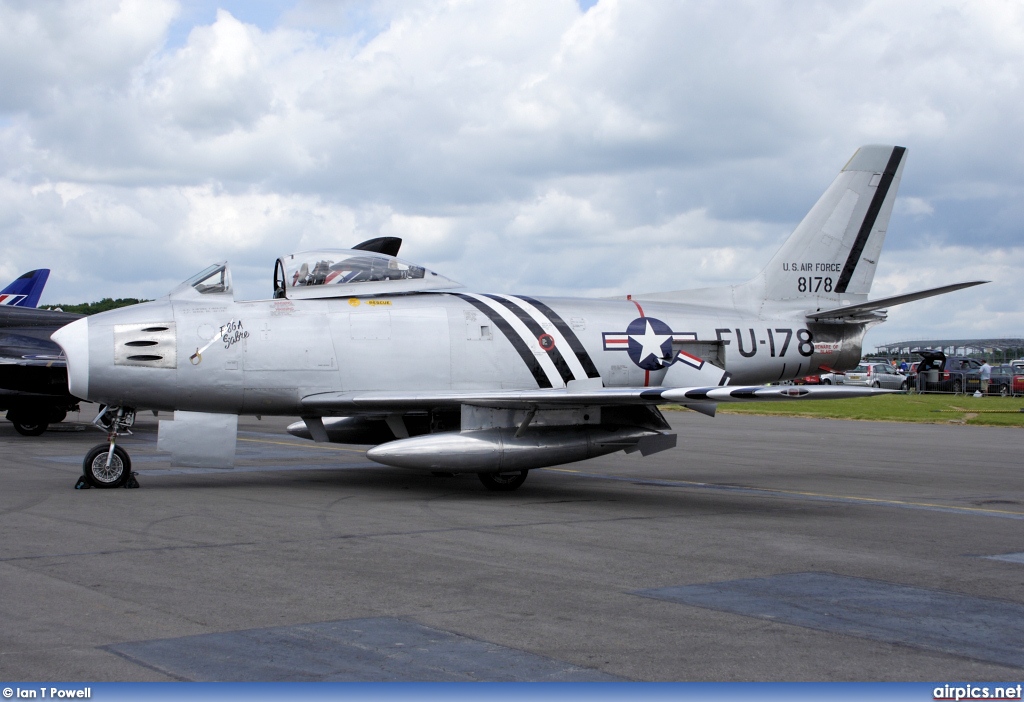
<point>295,444</point>
<point>255,469</point>
<point>814,496</point>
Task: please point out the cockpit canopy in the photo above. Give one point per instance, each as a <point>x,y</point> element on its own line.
<point>350,273</point>
<point>212,280</point>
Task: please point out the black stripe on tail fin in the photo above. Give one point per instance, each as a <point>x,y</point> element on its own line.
<point>869,218</point>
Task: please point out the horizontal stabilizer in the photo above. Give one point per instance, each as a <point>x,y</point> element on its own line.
<point>864,309</point>
<point>352,403</point>
<point>768,393</point>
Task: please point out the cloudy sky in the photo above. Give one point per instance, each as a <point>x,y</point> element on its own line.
<point>541,146</point>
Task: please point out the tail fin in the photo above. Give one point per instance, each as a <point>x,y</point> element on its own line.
<point>26,290</point>
<point>834,250</point>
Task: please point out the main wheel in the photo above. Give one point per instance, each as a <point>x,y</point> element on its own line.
<point>28,424</point>
<point>100,474</point>
<point>503,482</point>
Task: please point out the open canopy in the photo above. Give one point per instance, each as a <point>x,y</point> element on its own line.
<point>350,273</point>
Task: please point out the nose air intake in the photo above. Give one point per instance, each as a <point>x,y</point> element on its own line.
<point>74,341</point>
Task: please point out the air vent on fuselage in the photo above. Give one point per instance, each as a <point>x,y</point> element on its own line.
<point>159,340</point>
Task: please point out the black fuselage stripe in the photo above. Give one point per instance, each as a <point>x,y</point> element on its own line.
<point>568,333</point>
<point>537,330</point>
<point>517,342</point>
<point>869,218</point>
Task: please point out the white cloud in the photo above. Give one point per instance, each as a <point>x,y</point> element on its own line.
<point>629,148</point>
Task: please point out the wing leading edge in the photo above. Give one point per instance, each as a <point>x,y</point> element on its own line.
<point>348,403</point>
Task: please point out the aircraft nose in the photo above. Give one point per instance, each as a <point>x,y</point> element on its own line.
<point>74,340</point>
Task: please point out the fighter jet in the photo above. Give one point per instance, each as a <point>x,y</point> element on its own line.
<point>33,378</point>
<point>368,348</point>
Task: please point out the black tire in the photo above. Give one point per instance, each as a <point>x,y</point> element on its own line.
<point>904,386</point>
<point>56,415</point>
<point>1004,391</point>
<point>826,381</point>
<point>95,469</point>
<point>28,424</point>
<point>503,482</point>
<point>876,384</point>
<point>958,387</point>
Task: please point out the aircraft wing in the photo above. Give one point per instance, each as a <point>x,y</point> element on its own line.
<point>41,361</point>
<point>374,402</point>
<point>866,308</point>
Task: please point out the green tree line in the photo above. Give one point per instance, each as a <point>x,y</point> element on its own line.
<point>103,305</point>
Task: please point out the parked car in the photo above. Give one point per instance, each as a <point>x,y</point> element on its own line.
<point>1007,380</point>
<point>941,373</point>
<point>1001,381</point>
<point>835,378</point>
<point>877,375</point>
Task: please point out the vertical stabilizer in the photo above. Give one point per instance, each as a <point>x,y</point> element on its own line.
<point>26,290</point>
<point>834,251</point>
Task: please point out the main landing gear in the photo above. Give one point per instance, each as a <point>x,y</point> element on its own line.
<point>503,482</point>
<point>108,465</point>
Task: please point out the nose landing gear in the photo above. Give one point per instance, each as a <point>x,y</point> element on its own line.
<point>108,465</point>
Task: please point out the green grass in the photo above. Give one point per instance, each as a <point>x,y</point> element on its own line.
<point>896,408</point>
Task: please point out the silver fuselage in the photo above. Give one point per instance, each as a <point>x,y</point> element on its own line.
<point>262,357</point>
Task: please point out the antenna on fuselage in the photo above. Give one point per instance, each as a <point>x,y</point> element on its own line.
<point>387,245</point>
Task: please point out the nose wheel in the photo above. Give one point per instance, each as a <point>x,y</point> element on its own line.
<point>108,465</point>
